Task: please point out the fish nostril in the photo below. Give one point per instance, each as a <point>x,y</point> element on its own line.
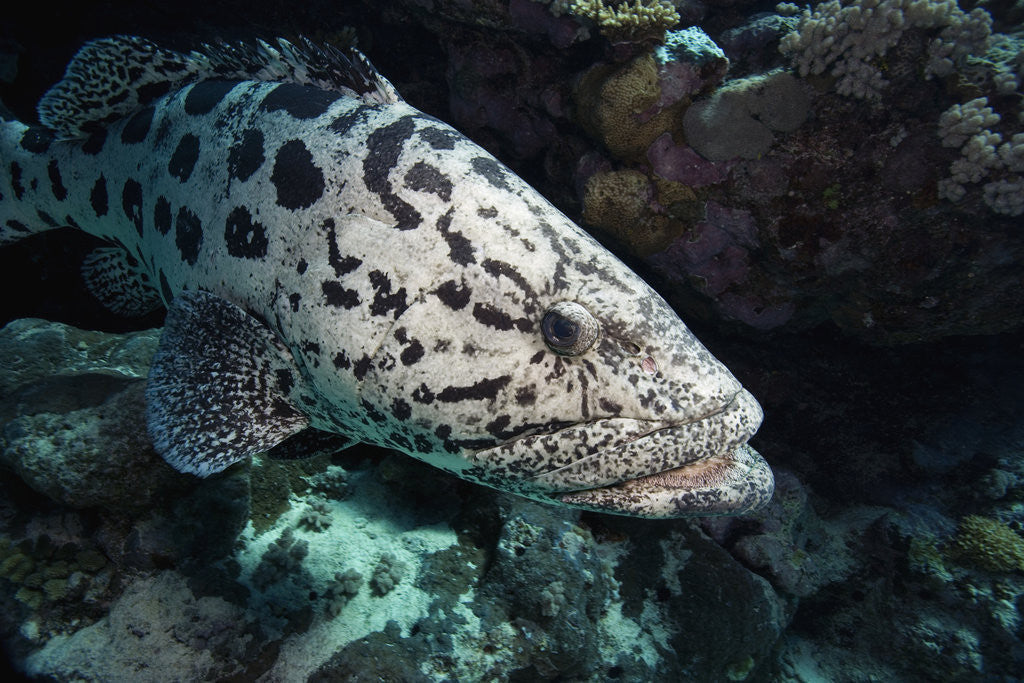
<point>649,365</point>
<point>632,348</point>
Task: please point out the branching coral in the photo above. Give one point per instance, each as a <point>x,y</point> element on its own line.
<point>851,40</point>
<point>317,516</point>
<point>343,588</point>
<point>983,154</point>
<point>332,482</point>
<point>387,574</point>
<point>963,121</point>
<point>282,559</point>
<point>989,544</point>
<point>624,21</point>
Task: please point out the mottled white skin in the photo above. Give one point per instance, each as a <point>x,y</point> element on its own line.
<point>406,271</point>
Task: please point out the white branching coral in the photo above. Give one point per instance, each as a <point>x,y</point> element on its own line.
<point>850,40</point>
<point>963,121</point>
<point>963,35</point>
<point>343,588</point>
<point>983,153</point>
<point>1005,196</point>
<point>1011,153</point>
<point>387,574</point>
<point>282,559</point>
<point>332,482</point>
<point>317,516</point>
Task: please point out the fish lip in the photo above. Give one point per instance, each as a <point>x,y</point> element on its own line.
<point>735,483</point>
<point>726,443</point>
<point>554,463</point>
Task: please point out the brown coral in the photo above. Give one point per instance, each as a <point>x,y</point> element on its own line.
<point>620,203</point>
<point>618,106</point>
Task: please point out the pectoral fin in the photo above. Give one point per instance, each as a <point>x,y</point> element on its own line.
<point>118,280</point>
<point>219,386</point>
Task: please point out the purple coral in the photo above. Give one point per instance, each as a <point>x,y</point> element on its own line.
<point>716,249</point>
<point>681,164</point>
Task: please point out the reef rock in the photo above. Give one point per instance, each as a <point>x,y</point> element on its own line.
<point>74,413</point>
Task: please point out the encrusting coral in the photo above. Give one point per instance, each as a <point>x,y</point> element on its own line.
<point>46,571</point>
<point>613,106</point>
<point>738,120</point>
<point>620,203</point>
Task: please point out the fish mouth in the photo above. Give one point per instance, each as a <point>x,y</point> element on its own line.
<point>733,483</point>
<point>699,467</point>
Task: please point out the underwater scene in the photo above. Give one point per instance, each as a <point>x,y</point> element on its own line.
<point>512,340</point>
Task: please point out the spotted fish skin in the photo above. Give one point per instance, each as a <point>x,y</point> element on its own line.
<point>333,258</point>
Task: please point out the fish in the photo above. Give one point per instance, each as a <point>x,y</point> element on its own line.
<point>334,260</point>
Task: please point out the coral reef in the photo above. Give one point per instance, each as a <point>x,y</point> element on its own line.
<point>73,456</point>
<point>79,404</point>
<point>521,588</point>
<point>779,148</point>
<point>158,625</point>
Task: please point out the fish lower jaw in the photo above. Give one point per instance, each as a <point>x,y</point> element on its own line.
<point>735,483</point>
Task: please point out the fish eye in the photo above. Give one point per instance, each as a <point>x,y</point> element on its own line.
<point>569,329</point>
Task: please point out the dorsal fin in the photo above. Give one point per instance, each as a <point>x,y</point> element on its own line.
<point>110,78</point>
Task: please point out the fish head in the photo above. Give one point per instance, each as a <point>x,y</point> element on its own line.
<point>545,367</point>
